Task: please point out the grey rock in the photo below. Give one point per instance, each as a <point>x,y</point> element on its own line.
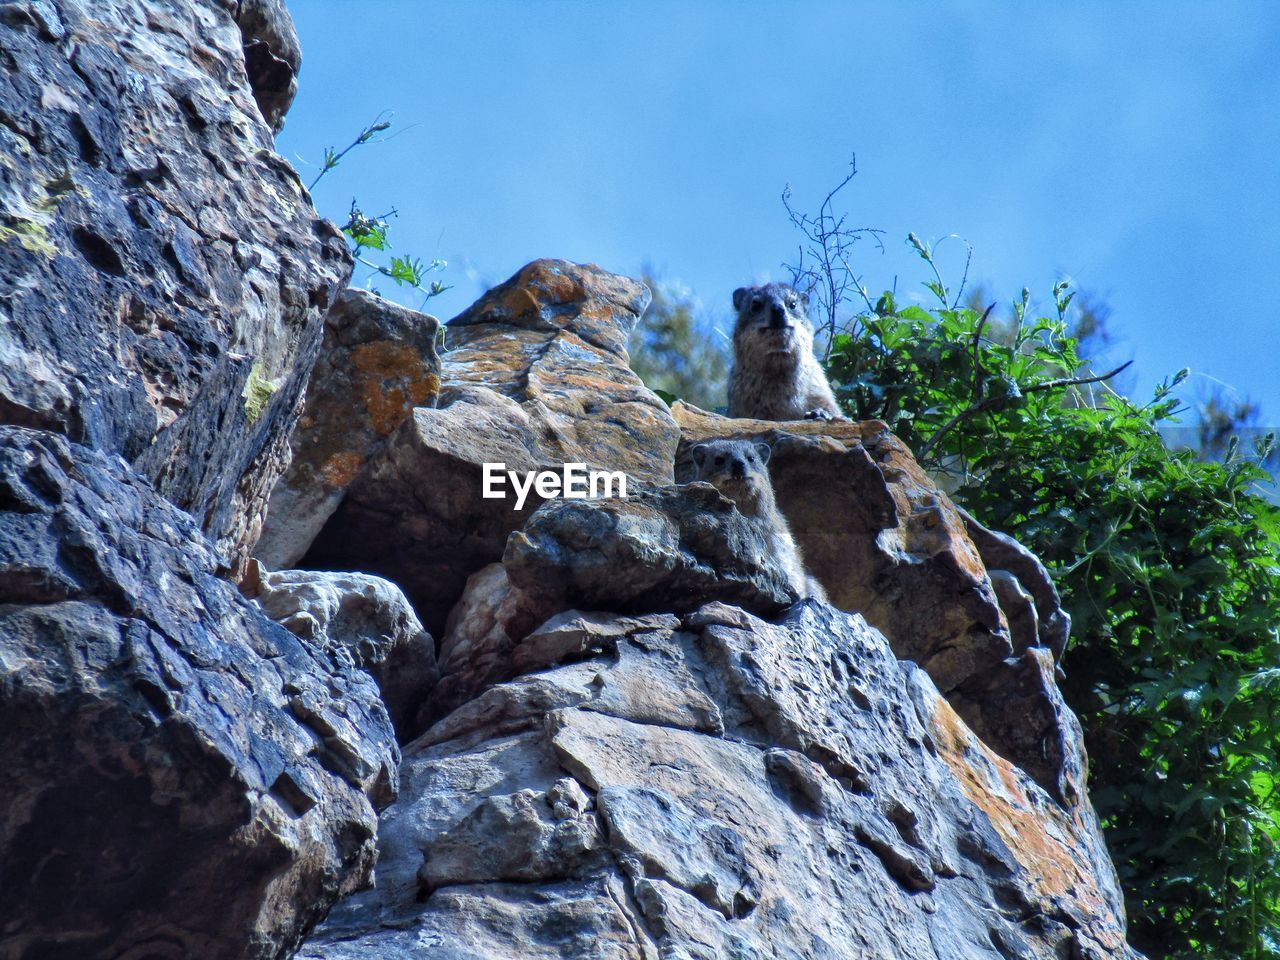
<point>841,809</point>
<point>489,619</point>
<point>667,695</point>
<point>1001,552</point>
<point>884,541</point>
<point>272,56</point>
<point>364,620</point>
<point>378,362</point>
<point>182,776</point>
<point>536,376</point>
<point>163,274</point>
<point>522,837</point>
<point>1019,609</point>
<point>670,549</point>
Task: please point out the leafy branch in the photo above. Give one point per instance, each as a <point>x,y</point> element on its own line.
<point>369,233</point>
<point>1011,393</point>
<point>333,157</point>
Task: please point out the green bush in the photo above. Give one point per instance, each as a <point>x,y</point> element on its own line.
<point>1170,568</point>
<point>676,353</point>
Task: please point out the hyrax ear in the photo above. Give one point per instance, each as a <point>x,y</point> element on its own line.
<point>764,450</point>
<point>804,300</point>
<point>739,296</point>
<point>699,453</point>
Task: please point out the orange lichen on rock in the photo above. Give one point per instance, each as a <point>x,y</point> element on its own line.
<point>340,469</point>
<point>394,379</point>
<point>1037,831</point>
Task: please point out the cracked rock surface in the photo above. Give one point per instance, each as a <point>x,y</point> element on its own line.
<point>163,275</point>
<point>182,776</point>
<point>719,786</point>
<point>982,619</point>
<point>361,620</point>
<point>378,362</point>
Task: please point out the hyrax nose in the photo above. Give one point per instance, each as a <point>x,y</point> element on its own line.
<point>739,470</point>
<point>777,316</point>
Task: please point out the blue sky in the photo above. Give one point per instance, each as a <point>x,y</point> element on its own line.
<point>1131,147</point>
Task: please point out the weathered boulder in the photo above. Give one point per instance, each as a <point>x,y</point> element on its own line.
<point>536,376</point>
<point>885,542</point>
<point>182,777</point>
<point>272,56</point>
<point>361,620</point>
<point>163,275</point>
<point>723,787</point>
<point>489,621</point>
<point>1024,588</point>
<point>378,362</point>
<point>665,550</point>
<point>670,549</point>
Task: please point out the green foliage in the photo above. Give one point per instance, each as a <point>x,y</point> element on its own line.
<point>1169,566</point>
<point>676,355</point>
<point>369,234</point>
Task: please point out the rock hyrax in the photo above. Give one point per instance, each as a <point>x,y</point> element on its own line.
<point>737,468</point>
<point>775,374</point>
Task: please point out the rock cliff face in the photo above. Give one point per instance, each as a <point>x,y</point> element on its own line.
<point>163,276</point>
<point>722,786</point>
<point>584,728</point>
<point>536,376</point>
<point>182,777</point>
<point>378,362</point>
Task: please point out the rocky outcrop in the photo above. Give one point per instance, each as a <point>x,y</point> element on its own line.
<point>720,786</point>
<point>363,621</point>
<point>378,362</point>
<point>163,275</point>
<point>1025,590</point>
<point>537,375</point>
<point>885,542</point>
<point>669,549</point>
<point>185,775</point>
<point>182,776</point>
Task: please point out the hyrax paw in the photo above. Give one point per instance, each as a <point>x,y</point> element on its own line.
<point>819,415</point>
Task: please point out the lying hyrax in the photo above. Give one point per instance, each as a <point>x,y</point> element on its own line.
<point>737,468</point>
<point>775,374</point>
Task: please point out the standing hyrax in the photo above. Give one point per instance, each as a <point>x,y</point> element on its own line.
<point>775,374</point>
<point>737,469</point>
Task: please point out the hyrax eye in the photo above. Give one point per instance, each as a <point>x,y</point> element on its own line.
<point>719,460</point>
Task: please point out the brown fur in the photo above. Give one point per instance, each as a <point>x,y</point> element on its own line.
<point>737,468</point>
<point>775,375</point>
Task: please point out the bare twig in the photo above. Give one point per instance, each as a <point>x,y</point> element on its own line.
<point>964,279</point>
<point>978,372</point>
<point>1075,381</point>
<point>823,268</point>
